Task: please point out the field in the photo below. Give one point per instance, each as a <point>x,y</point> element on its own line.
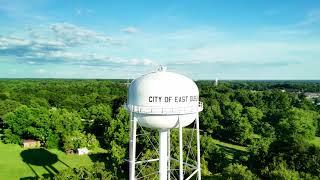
<point>18,163</point>
<point>230,146</point>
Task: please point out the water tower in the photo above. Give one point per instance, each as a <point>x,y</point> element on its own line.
<point>163,100</point>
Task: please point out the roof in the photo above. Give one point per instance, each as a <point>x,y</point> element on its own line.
<point>29,141</point>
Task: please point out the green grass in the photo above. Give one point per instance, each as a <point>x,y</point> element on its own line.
<point>37,161</point>
<point>316,141</point>
<point>231,149</point>
<point>231,146</point>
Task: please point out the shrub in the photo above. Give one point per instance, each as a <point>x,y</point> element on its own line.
<point>238,171</point>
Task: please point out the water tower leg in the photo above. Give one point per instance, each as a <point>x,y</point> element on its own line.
<point>163,159</point>
<point>132,147</point>
<point>198,149</point>
<point>180,152</point>
<point>169,155</point>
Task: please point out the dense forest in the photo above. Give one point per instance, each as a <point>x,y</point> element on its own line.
<point>274,122</point>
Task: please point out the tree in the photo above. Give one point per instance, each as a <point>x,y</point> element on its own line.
<point>9,137</point>
<point>76,139</point>
<point>28,123</point>
<point>266,130</point>
<point>40,124</point>
<point>216,159</point>
<point>3,96</point>
<point>235,127</point>
<point>259,153</point>
<point>52,141</point>
<point>282,173</point>
<point>116,137</point>
<point>64,122</point>
<point>102,116</point>
<point>318,124</point>
<point>237,171</point>
<point>277,105</point>
<point>96,171</point>
<point>298,126</point>
<point>71,103</point>
<point>242,96</point>
<point>210,116</point>
<point>38,102</point>
<point>92,141</point>
<point>301,157</point>
<point>254,116</point>
<point>8,106</point>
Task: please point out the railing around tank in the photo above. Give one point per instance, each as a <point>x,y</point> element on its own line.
<point>164,110</point>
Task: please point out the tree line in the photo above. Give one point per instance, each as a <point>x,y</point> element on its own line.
<point>276,127</point>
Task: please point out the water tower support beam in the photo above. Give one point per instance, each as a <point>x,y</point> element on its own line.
<point>163,145</point>
<point>198,149</point>
<point>169,155</point>
<point>132,147</point>
<point>180,152</point>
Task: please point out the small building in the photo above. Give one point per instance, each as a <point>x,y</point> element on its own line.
<point>30,143</point>
<point>82,151</point>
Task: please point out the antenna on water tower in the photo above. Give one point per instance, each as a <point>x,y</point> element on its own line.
<point>164,100</point>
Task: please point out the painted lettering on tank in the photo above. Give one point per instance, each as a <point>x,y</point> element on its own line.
<point>175,99</point>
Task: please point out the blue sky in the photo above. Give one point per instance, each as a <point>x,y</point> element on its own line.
<point>124,39</point>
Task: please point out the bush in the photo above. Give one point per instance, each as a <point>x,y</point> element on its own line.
<point>282,173</point>
<point>77,140</point>
<point>213,155</point>
<point>52,141</point>
<point>92,141</point>
<point>238,171</point>
<point>10,138</point>
<point>97,171</point>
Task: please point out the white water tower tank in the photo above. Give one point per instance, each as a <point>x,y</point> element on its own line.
<point>162,99</point>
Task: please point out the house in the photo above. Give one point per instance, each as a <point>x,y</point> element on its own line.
<point>30,143</point>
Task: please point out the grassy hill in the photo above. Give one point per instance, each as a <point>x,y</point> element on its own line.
<point>16,162</point>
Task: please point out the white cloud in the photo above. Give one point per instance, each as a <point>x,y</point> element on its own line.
<point>41,51</point>
<point>21,47</point>
<point>130,30</point>
<point>73,35</point>
<point>8,42</point>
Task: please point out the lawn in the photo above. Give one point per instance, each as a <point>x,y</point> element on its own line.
<point>16,162</point>
<point>231,146</point>
<point>231,149</point>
